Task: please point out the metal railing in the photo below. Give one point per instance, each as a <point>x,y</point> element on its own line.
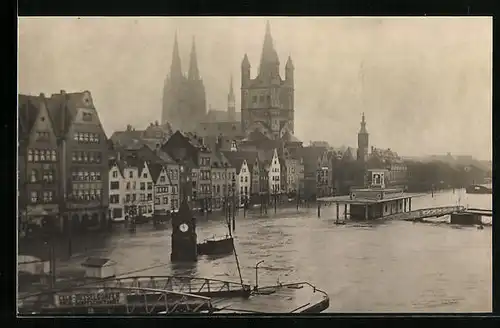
<point>128,300</point>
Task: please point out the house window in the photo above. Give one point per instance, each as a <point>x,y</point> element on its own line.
<point>93,176</point>
<point>134,185</point>
<point>174,190</point>
<point>127,198</point>
<point>143,186</point>
<point>80,176</point>
<point>142,197</point>
<point>91,137</point>
<point>85,157</point>
<point>30,155</point>
<point>162,179</point>
<point>165,200</point>
<point>34,176</point>
<point>53,156</point>
<point>157,200</point>
<point>218,189</point>
<point>246,179</point>
<point>145,175</point>
<point>150,208</point>
<point>128,186</point>
<point>91,157</point>
<point>131,174</point>
<point>115,174</point>
<point>79,156</point>
<point>97,138</point>
<point>150,197</point>
<point>86,137</point>
<point>241,179</point>
<point>175,203</point>
<point>76,137</point>
<point>98,157</point>
<point>114,185</point>
<point>34,196</point>
<point>87,117</point>
<point>47,196</point>
<point>150,186</point>
<point>246,190</point>
<point>254,99</point>
<point>48,176</point>
<point>42,155</point>
<point>98,176</point>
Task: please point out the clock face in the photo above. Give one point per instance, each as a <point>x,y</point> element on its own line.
<point>183,227</point>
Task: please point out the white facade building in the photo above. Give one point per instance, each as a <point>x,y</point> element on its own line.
<point>274,174</point>
<point>244,182</point>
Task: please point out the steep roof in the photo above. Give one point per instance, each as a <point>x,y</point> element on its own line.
<point>234,160</point>
<point>63,108</point>
<point>119,163</point>
<point>155,170</point>
<point>28,109</point>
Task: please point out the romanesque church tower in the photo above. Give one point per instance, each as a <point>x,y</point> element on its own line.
<point>363,141</point>
<point>184,100</point>
<point>267,101</point>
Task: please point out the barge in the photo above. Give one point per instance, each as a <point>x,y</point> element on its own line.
<point>216,246</point>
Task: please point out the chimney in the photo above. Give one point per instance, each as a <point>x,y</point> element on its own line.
<point>118,155</point>
<point>156,123</point>
<point>129,127</point>
<point>42,95</point>
<point>63,92</point>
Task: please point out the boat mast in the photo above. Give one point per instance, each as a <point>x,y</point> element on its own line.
<point>228,221</point>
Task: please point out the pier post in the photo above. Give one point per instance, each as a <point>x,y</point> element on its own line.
<point>319,209</point>
<point>366,212</point>
<point>337,211</point>
<point>345,211</point>
<point>409,204</point>
<point>404,206</point>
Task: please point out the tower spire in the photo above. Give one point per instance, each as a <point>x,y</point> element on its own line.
<point>193,73</point>
<point>231,102</point>
<point>231,91</point>
<point>269,58</point>
<point>363,124</point>
<point>175,67</point>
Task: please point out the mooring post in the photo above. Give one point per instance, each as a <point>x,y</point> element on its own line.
<point>409,204</point>
<point>337,211</point>
<point>257,274</point>
<point>319,209</point>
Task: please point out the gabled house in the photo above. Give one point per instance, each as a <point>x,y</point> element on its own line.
<point>223,177</point>
<point>165,200</point>
<point>117,188</point>
<point>39,163</point>
<point>81,157</point>
<point>190,151</point>
<point>275,174</point>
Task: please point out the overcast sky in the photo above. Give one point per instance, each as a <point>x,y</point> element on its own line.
<point>425,84</point>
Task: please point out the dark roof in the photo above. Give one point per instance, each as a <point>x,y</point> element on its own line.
<point>237,157</point>
<point>95,262</point>
<point>28,112</point>
<point>63,108</point>
<point>235,160</point>
<point>119,163</point>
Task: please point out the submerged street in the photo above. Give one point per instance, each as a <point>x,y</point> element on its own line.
<point>391,266</point>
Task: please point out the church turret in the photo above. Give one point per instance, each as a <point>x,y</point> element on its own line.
<point>231,102</point>
<point>289,68</point>
<point>269,61</point>
<point>193,73</point>
<point>245,70</point>
<point>363,140</point>
<point>175,67</point>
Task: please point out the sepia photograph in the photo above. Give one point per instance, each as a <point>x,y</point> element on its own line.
<point>254,165</point>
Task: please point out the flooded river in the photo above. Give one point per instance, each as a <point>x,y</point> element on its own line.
<point>365,267</point>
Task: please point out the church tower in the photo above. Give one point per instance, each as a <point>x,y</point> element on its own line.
<point>231,102</point>
<point>267,102</point>
<point>363,141</point>
<point>184,100</point>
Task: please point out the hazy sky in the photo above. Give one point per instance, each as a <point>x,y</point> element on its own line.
<point>425,84</point>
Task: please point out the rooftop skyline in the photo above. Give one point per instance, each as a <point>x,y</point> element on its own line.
<point>424,84</point>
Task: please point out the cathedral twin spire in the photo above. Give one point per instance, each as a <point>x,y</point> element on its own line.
<point>176,68</point>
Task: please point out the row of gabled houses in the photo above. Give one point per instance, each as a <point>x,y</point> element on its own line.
<point>149,177</point>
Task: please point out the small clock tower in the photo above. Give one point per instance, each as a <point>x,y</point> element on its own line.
<point>184,235</point>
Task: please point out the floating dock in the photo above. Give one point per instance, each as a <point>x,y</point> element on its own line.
<point>164,295</point>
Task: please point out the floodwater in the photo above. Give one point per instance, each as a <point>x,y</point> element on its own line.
<point>391,266</point>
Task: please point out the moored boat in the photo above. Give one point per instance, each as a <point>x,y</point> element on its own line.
<point>216,246</point>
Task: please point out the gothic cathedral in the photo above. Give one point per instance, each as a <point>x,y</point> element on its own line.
<point>267,101</point>
<point>184,100</point>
